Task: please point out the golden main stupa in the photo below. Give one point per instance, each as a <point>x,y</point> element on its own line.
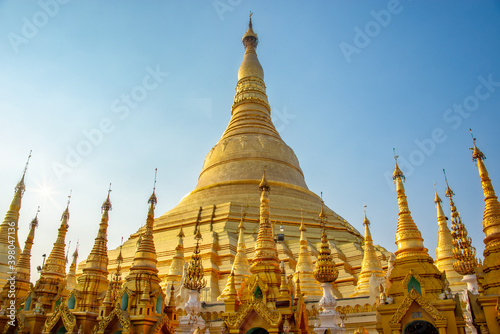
<point>227,186</point>
<point>251,250</point>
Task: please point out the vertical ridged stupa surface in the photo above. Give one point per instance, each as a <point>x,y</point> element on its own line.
<point>370,265</point>
<point>93,282</point>
<point>22,269</point>
<point>411,255</point>
<point>9,228</point>
<point>53,276</point>
<point>491,228</point>
<point>228,179</point>
<point>444,250</point>
<point>304,269</point>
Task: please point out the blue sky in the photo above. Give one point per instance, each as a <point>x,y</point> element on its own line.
<point>347,81</point>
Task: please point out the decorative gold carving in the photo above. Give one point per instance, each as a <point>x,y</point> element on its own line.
<point>163,321</point>
<point>414,296</point>
<point>272,318</point>
<point>63,313</point>
<point>463,251</point>
<point>325,270</point>
<point>122,317</point>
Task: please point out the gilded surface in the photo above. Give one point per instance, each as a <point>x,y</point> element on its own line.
<point>412,296</point>
<point>444,250</point>
<point>325,270</point>
<point>463,251</point>
<point>122,317</point>
<point>63,313</point>
<point>370,265</point>
<point>273,318</point>
<point>164,321</point>
<point>491,227</point>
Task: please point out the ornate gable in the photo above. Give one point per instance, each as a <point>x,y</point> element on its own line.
<point>62,314</point>
<point>414,296</point>
<point>122,317</point>
<point>272,318</point>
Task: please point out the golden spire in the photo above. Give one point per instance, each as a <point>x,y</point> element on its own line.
<point>408,237</point>
<point>370,265</point>
<point>194,279</point>
<point>23,264</point>
<point>325,271</point>
<point>491,227</point>
<point>304,269</point>
<point>411,255</point>
<point>250,89</point>
<point>145,255</point>
<point>463,251</point>
<point>444,248</point>
<point>56,262</point>
<point>11,220</point>
<point>250,67</point>
<point>177,266</point>
<point>115,284</point>
<point>143,278</point>
<point>240,270</point>
<point>54,270</point>
<point>94,279</point>
<point>284,290</point>
<point>23,267</point>
<point>265,246</point>
<point>265,263</point>
<point>71,277</point>
<point>241,267</point>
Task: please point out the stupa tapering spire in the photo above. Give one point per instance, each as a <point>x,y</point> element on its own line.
<point>94,279</point>
<point>115,284</point>
<point>56,262</point>
<point>54,269</point>
<point>11,220</point>
<point>463,251</point>
<point>145,255</point>
<point>304,269</point>
<point>265,246</point>
<point>23,268</point>
<point>251,110</point>
<point>23,264</point>
<point>241,267</point>
<point>370,264</point>
<point>491,227</point>
<point>142,278</point>
<point>266,265</point>
<point>408,237</point>
<point>177,266</point>
<point>411,255</point>
<point>71,277</point>
<point>444,250</point>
